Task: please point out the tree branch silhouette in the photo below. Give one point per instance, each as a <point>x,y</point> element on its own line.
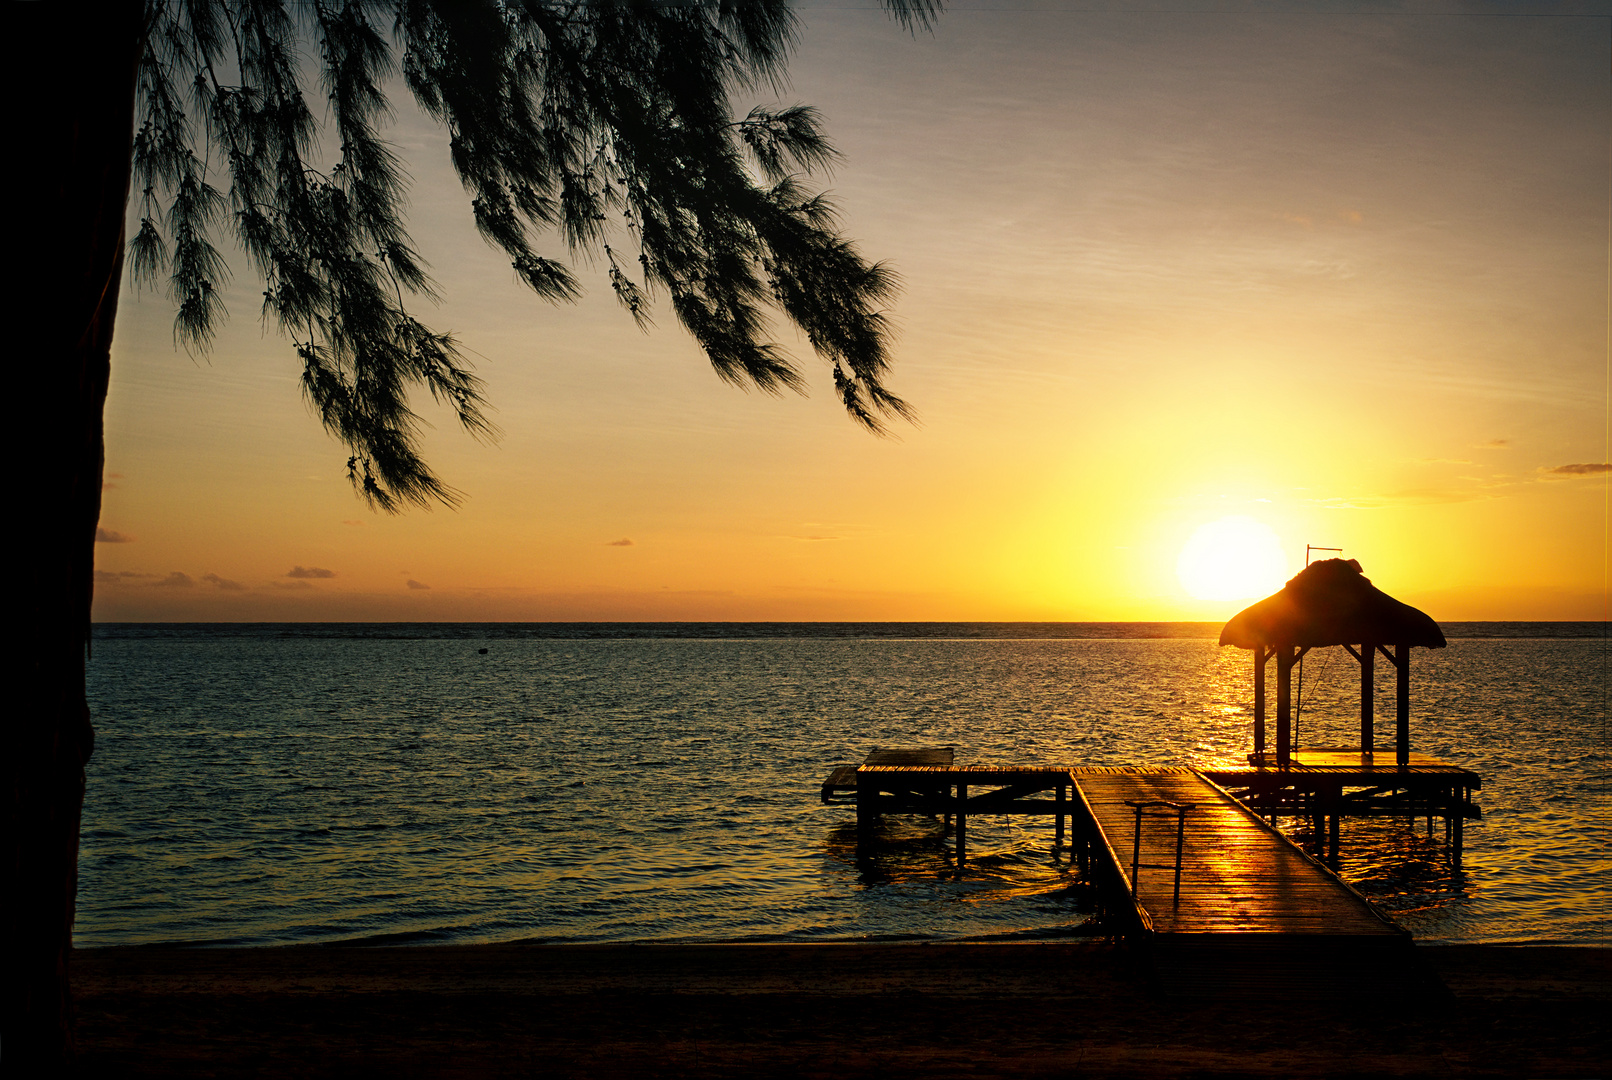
<point>578,128</point>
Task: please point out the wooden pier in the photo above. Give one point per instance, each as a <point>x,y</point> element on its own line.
<point>1219,896</point>
<point>1238,872</point>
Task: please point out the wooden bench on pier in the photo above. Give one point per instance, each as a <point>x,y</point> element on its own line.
<point>840,787</point>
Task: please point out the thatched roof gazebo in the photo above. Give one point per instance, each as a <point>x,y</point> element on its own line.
<point>1331,603</point>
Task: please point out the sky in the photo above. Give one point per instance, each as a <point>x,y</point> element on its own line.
<point>1338,274</point>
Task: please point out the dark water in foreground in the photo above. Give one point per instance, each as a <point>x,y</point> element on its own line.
<point>273,784</point>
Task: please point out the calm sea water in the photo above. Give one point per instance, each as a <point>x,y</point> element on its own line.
<point>274,784</point>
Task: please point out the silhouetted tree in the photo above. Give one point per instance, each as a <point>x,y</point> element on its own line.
<point>600,128</point>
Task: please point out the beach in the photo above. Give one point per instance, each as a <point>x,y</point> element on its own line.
<point>832,1009</point>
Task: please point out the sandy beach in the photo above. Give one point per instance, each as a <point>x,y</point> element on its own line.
<point>892,1009</point>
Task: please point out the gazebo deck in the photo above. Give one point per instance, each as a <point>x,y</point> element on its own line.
<point>1347,762</point>
<point>1326,784</point>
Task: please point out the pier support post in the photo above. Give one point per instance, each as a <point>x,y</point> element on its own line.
<point>1057,828</point>
<point>1459,816</point>
<point>962,825</point>
<point>1318,823</point>
<point>867,810</point>
<point>1334,816</point>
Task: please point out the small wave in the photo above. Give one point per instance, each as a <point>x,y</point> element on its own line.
<point>403,937</point>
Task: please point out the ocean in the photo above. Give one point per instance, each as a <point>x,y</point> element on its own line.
<point>273,784</point>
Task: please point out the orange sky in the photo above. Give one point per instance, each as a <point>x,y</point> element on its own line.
<point>1344,275</point>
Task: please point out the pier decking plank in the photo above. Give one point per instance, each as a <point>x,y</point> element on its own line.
<point>1238,875</point>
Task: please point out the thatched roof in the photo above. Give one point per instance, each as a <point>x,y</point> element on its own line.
<point>1331,603</point>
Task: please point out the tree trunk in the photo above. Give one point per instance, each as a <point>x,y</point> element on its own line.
<point>72,70</point>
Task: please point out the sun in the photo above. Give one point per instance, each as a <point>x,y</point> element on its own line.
<point>1235,558</point>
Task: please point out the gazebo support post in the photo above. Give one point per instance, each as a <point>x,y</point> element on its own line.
<point>1368,696</point>
<point>1261,654</point>
<point>1284,705</point>
<point>1402,705</point>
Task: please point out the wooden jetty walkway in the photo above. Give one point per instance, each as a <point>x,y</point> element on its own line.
<point>1238,873</point>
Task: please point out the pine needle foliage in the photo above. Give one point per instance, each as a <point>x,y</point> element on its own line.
<point>583,129</point>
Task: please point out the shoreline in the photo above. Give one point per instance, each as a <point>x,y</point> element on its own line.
<point>929,1009</point>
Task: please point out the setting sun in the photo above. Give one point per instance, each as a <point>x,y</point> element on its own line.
<point>1234,558</point>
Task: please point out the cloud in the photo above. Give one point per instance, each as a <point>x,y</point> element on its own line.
<point>112,577</point>
<point>623,542</point>
<point>350,521</point>
<point>175,580</point>
<point>224,583</point>
<point>105,486</point>
<point>1495,444</point>
<point>812,538</point>
<point>309,572</point>
<point>1590,468</point>
<point>107,536</point>
<point>291,584</point>
<point>1428,496</point>
<point>417,584</point>
<point>1351,217</point>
